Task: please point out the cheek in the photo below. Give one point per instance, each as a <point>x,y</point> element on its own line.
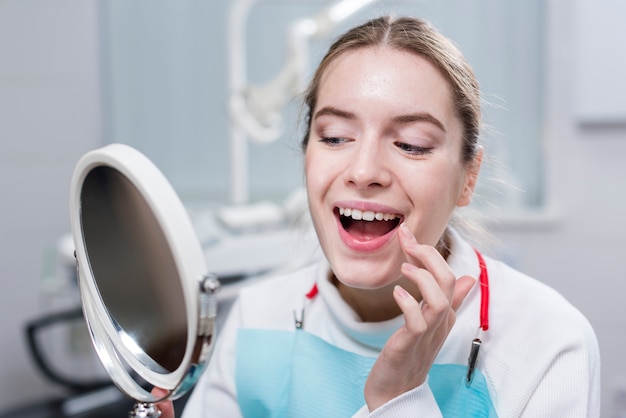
<point>318,172</point>
<point>314,177</point>
<point>455,181</point>
<point>317,181</point>
<point>439,187</point>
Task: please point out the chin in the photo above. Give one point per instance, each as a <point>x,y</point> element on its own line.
<point>364,275</point>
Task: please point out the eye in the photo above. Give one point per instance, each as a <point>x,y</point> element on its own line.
<point>413,149</point>
<point>333,141</point>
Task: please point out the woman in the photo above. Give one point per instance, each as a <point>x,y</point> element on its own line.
<point>402,317</point>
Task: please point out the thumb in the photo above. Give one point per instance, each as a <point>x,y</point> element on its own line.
<point>166,407</point>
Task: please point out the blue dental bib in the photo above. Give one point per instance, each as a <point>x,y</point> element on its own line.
<point>289,374</point>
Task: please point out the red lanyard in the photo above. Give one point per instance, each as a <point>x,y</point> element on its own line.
<point>483,280</point>
<point>313,292</point>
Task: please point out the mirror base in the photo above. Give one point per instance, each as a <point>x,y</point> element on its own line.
<point>144,410</point>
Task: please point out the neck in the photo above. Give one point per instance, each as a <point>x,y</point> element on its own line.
<point>374,305</point>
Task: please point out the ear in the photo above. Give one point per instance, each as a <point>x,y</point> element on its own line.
<point>471,177</point>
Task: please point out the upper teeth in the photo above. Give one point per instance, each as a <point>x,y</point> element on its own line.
<point>366,215</point>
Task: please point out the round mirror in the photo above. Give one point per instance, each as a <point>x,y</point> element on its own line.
<point>147,298</point>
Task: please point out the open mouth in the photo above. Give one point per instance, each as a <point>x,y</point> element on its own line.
<point>367,225</point>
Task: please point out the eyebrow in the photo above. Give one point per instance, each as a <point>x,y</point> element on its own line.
<point>402,119</point>
<point>333,111</point>
<point>419,117</point>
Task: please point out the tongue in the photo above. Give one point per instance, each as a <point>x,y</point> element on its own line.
<point>365,230</point>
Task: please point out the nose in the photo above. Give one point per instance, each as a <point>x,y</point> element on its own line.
<point>368,166</point>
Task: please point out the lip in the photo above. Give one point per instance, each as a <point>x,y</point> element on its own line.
<point>370,244</point>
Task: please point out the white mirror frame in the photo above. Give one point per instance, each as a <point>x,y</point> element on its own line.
<point>199,288</point>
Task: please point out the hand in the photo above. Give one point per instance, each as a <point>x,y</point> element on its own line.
<point>410,352</point>
<point>167,406</point>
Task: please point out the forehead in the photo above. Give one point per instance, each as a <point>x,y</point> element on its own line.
<point>391,79</point>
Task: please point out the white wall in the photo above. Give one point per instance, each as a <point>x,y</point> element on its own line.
<point>49,116</point>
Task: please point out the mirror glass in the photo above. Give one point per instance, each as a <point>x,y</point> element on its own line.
<point>133,267</point>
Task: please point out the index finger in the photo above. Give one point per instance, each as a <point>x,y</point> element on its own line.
<point>428,258</point>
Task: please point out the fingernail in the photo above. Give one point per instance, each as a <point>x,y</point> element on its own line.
<point>405,230</point>
<point>400,291</point>
<point>407,268</point>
